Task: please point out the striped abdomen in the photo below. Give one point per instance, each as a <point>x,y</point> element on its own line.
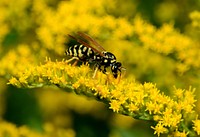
<point>83,53</point>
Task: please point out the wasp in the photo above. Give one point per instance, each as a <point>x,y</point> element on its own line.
<point>97,55</point>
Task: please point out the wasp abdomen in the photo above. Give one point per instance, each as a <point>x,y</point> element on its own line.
<point>83,53</point>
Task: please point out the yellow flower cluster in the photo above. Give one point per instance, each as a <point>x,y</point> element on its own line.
<point>10,64</point>
<point>141,101</point>
<point>194,29</point>
<point>197,126</point>
<point>10,130</point>
<point>55,24</point>
<point>168,41</point>
<point>14,15</point>
<point>195,16</point>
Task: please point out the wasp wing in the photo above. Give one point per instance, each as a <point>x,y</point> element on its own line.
<point>90,39</point>
<point>86,44</point>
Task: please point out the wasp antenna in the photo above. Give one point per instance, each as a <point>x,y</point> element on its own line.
<point>72,36</point>
<point>123,68</point>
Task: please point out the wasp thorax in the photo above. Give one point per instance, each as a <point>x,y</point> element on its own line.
<point>109,55</point>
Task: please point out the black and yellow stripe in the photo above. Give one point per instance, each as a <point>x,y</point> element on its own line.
<point>82,52</point>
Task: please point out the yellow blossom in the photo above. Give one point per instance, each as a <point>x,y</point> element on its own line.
<point>159,129</point>
<point>171,120</point>
<point>9,129</point>
<point>13,81</point>
<point>154,107</point>
<point>181,134</point>
<point>150,107</point>
<point>195,16</point>
<point>23,80</point>
<point>157,117</point>
<point>115,105</point>
<point>167,112</point>
<point>132,107</point>
<point>178,93</point>
<point>103,91</point>
<point>115,94</point>
<point>76,85</point>
<point>197,126</point>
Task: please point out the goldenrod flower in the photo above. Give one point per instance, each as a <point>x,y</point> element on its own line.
<point>159,129</point>
<point>13,81</point>
<point>195,16</point>
<point>115,105</point>
<point>197,126</point>
<point>181,134</point>
<point>127,97</point>
<point>9,129</point>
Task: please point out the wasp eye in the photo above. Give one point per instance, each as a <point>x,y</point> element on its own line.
<point>118,64</point>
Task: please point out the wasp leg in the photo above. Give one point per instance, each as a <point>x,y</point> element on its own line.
<point>73,58</point>
<point>119,78</point>
<point>97,67</point>
<point>74,64</point>
<point>104,69</point>
<point>85,63</point>
<point>95,72</point>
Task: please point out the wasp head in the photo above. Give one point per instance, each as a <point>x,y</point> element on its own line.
<point>115,68</point>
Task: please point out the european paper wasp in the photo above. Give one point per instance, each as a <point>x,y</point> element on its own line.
<point>97,55</point>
